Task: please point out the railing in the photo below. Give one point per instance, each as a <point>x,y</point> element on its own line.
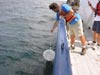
<point>62,64</point>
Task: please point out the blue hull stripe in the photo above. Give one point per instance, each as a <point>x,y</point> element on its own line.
<point>62,64</point>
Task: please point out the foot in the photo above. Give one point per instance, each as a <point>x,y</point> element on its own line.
<point>83,51</point>
<point>92,45</point>
<point>72,47</point>
<point>98,46</point>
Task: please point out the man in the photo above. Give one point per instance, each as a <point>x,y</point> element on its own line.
<point>96,25</point>
<point>74,20</point>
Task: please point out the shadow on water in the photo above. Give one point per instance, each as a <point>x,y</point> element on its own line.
<point>48,68</point>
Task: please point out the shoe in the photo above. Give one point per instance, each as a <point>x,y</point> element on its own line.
<point>83,51</point>
<point>93,45</point>
<point>98,46</point>
<point>72,47</point>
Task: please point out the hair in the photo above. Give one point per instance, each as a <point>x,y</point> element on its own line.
<point>53,6</point>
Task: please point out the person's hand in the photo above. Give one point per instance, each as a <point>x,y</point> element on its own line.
<point>89,3</point>
<point>51,30</point>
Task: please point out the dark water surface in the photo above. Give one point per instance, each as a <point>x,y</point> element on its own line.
<point>24,35</point>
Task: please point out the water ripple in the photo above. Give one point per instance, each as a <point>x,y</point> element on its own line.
<point>22,73</point>
<point>24,35</point>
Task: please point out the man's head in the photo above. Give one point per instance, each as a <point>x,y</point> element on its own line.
<point>54,7</point>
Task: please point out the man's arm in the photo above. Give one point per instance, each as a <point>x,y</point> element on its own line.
<point>93,9</point>
<point>55,25</point>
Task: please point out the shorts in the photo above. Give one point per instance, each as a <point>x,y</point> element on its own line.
<point>76,29</point>
<point>96,27</point>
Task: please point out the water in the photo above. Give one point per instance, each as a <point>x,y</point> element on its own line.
<point>24,35</point>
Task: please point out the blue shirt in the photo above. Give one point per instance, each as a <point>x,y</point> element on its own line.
<point>66,8</point>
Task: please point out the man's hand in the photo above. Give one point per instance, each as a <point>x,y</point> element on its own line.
<point>52,30</point>
<point>89,3</point>
<point>54,26</point>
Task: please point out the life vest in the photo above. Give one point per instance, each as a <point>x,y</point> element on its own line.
<point>68,16</point>
<point>97,12</point>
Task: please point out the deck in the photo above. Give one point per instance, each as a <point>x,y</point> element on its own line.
<point>88,64</point>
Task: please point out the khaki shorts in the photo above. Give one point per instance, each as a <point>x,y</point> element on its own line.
<point>76,29</point>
